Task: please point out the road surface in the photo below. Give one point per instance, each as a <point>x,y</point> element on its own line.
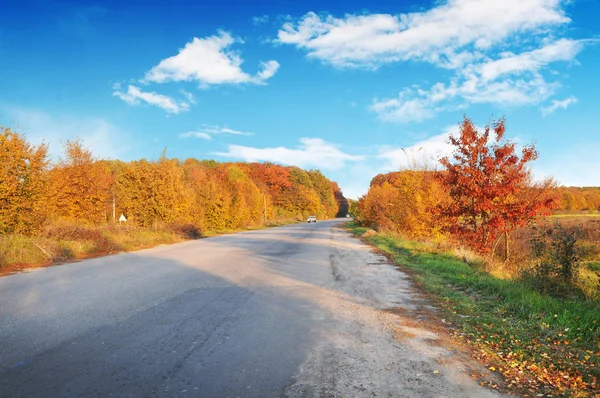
<point>293,311</point>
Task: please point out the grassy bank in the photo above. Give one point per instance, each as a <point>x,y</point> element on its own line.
<point>539,344</point>
<point>63,243</point>
<point>66,243</point>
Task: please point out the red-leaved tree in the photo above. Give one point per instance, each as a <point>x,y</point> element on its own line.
<point>490,186</point>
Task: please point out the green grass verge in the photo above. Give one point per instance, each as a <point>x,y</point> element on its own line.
<point>522,332</point>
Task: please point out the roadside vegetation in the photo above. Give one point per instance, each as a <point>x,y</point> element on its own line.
<point>515,263</point>
<point>57,211</point>
<point>538,342</point>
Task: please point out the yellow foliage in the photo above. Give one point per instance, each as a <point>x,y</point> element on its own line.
<point>247,200</point>
<point>402,202</point>
<point>22,183</point>
<point>80,189</point>
<point>151,192</point>
<point>79,186</point>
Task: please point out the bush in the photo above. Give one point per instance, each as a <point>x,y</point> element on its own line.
<point>77,233</point>
<point>557,256</point>
<point>187,231</point>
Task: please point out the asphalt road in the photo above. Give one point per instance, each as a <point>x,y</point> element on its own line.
<point>290,311</point>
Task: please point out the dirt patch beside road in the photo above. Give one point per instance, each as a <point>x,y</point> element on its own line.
<point>385,340</point>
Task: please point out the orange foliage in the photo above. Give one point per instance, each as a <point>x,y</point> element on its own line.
<point>489,186</point>
<point>402,202</point>
<point>274,177</point>
<point>151,192</point>
<point>577,199</point>
<point>22,183</point>
<point>79,186</point>
<point>207,194</point>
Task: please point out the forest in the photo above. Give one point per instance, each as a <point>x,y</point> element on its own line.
<point>81,196</point>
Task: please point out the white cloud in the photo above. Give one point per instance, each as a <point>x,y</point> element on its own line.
<point>558,105</point>
<point>356,176</point>
<point>189,96</point>
<point>513,80</point>
<point>260,20</point>
<point>208,61</point>
<point>225,130</point>
<point>449,34</point>
<point>531,61</point>
<point>427,151</point>
<point>405,108</point>
<point>496,49</point>
<point>195,134</point>
<point>103,138</point>
<point>269,69</point>
<point>313,152</point>
<point>206,132</point>
<point>134,96</point>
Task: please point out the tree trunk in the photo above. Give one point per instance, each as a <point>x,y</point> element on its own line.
<point>474,216</point>
<point>265,207</point>
<point>506,253</point>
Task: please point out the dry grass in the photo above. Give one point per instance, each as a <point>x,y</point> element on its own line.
<point>587,229</point>
<point>15,249</point>
<point>65,242</point>
<point>575,215</point>
<point>127,239</point>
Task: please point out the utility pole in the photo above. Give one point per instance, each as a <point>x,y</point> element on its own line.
<point>114,210</point>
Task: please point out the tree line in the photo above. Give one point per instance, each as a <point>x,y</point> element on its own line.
<point>484,190</point>
<point>210,195</point>
<point>578,199</point>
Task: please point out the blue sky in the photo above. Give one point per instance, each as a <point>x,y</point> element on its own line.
<point>339,86</point>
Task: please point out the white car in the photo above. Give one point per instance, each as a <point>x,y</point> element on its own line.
<point>312,219</point>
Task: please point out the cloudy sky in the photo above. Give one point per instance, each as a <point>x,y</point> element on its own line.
<point>348,87</point>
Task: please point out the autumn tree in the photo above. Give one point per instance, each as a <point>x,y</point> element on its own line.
<point>207,193</point>
<point>114,168</point>
<point>487,181</point>
<point>22,183</point>
<point>151,192</point>
<point>272,180</point>
<point>196,176</point>
<point>573,199</point>
<point>79,186</point>
<point>378,207</point>
<point>274,177</point>
<point>246,199</point>
<point>402,202</point>
<point>354,209</point>
<point>322,186</point>
<point>215,199</point>
<point>299,201</point>
<point>342,202</point>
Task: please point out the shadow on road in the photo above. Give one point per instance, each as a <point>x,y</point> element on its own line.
<point>142,327</point>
